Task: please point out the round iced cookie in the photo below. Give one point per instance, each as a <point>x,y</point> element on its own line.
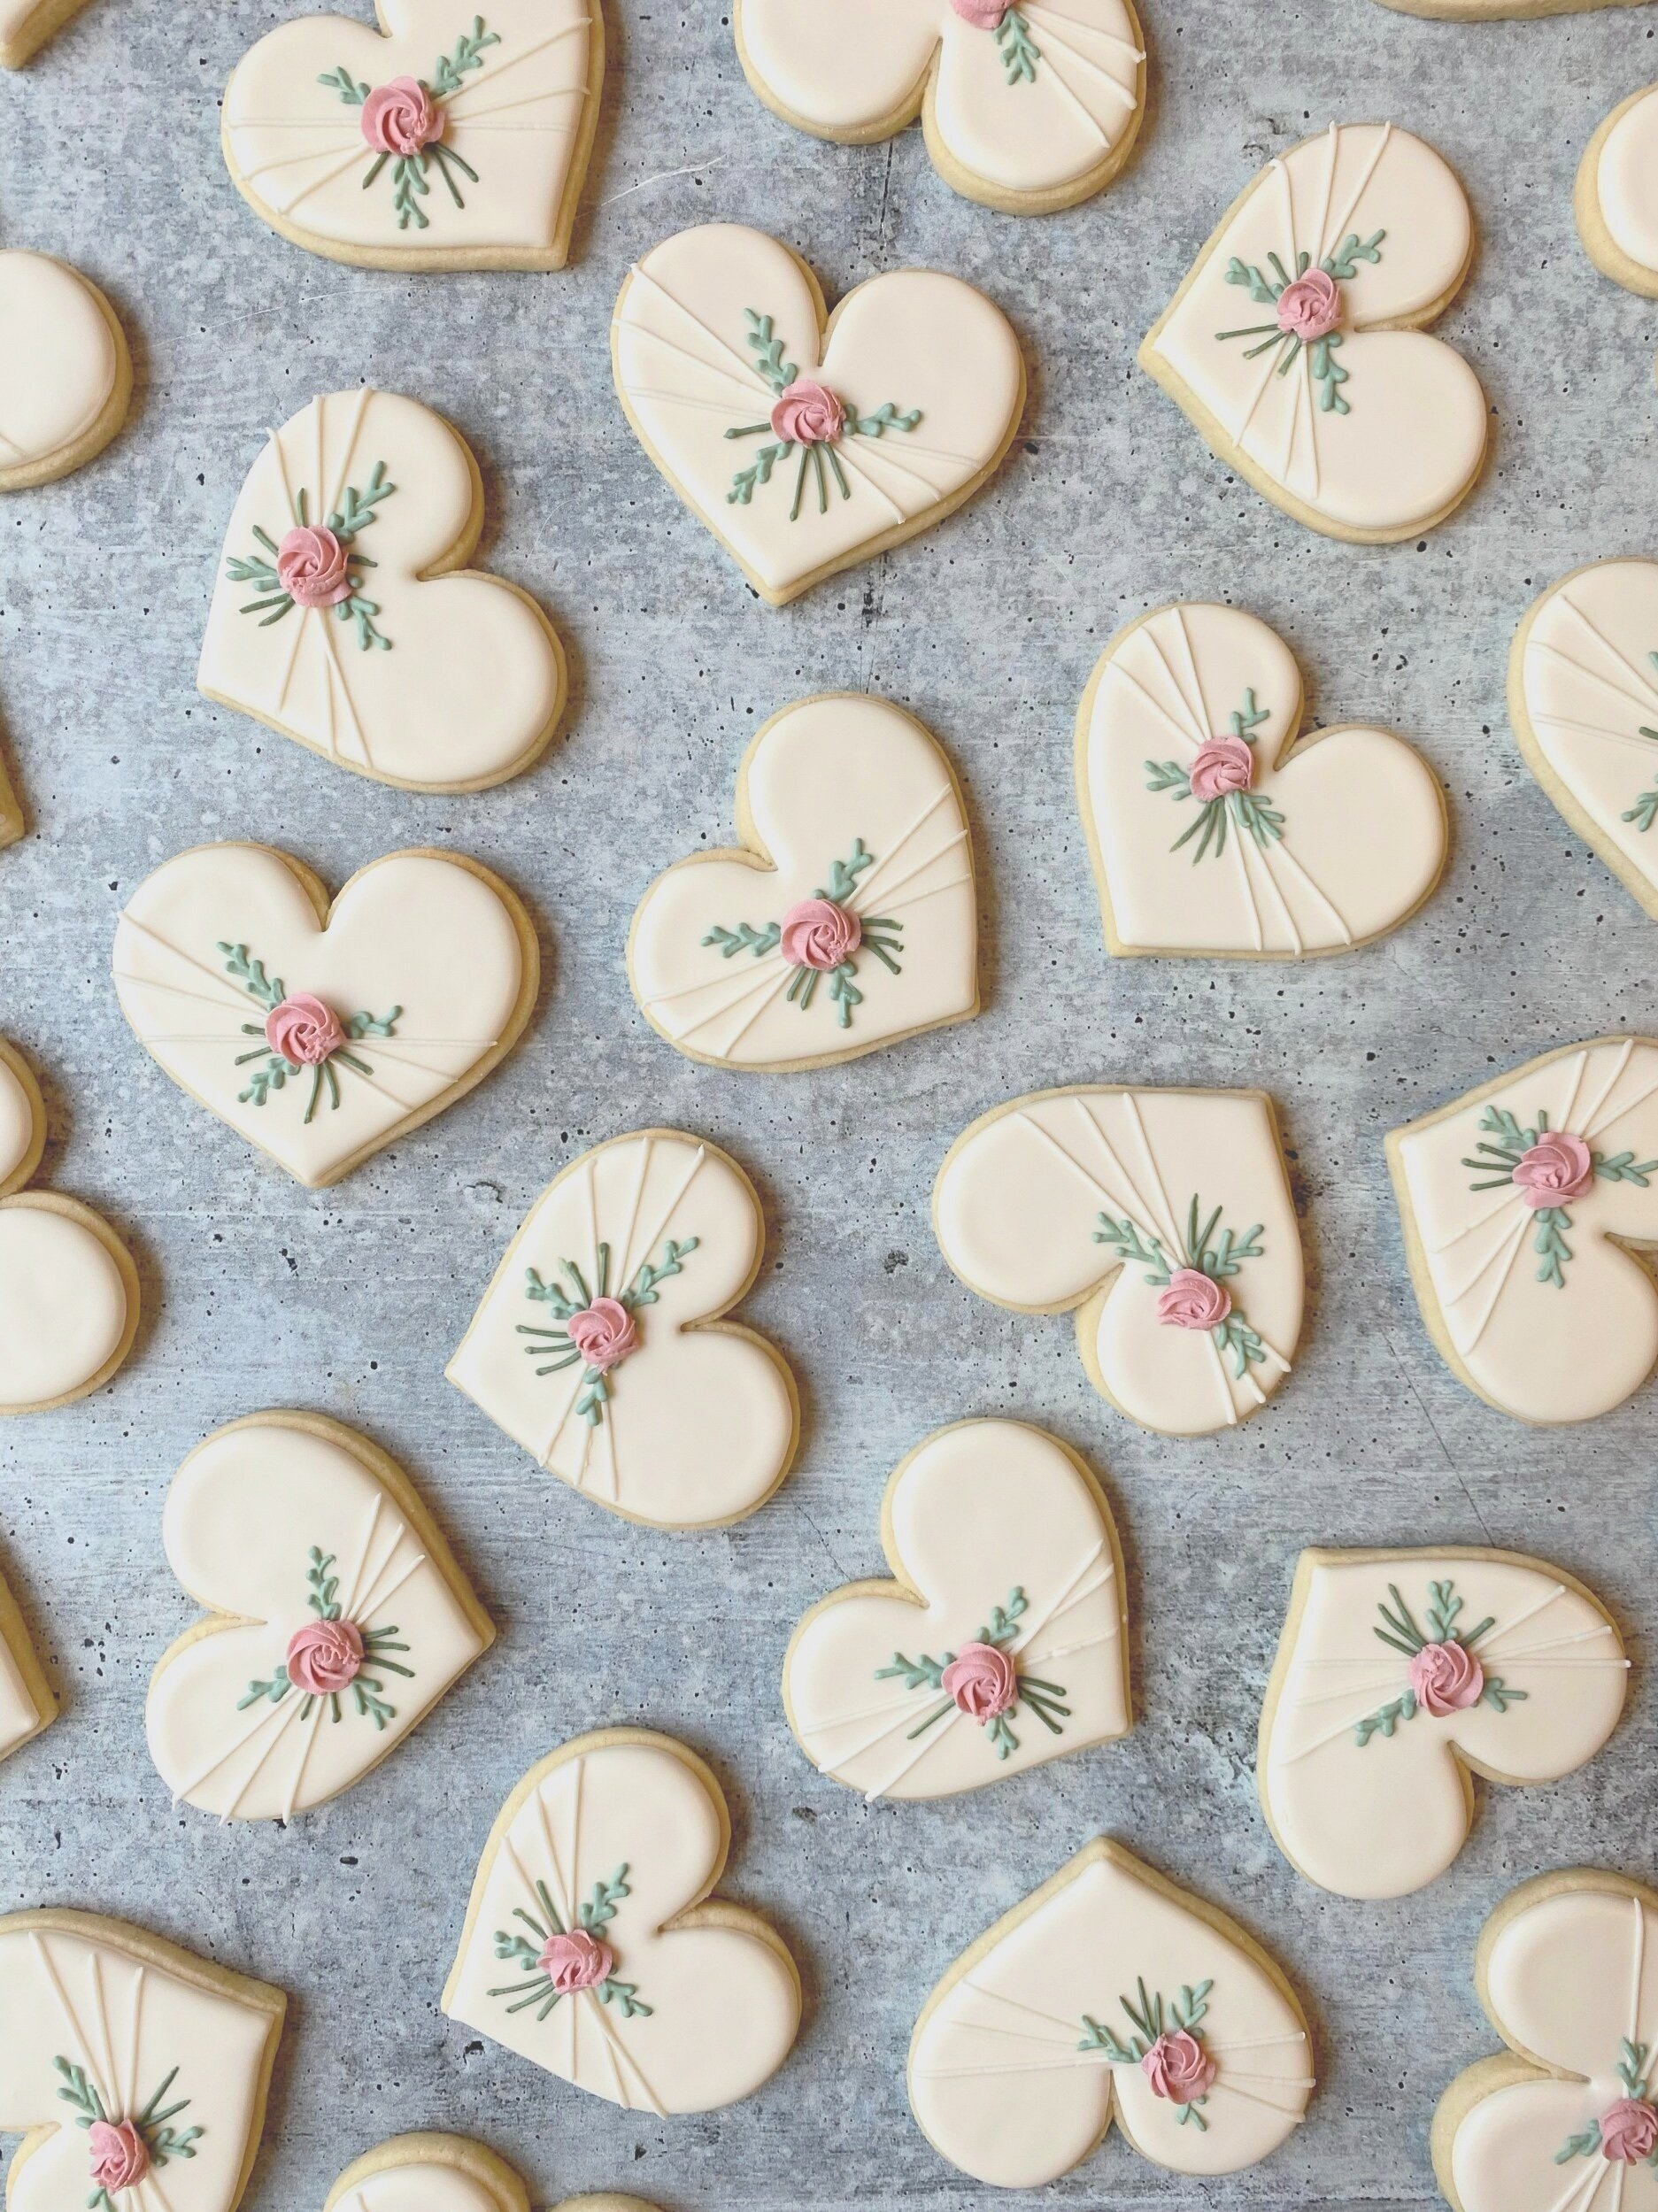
<point>600,1345</point>
<point>1566,2119</point>
<point>1615,199</point>
<point>1161,1219</point>
<point>25,26</point>
<point>321,1032</point>
<point>446,2173</point>
<point>1515,1201</point>
<point>592,1946</point>
<point>1487,11</point>
<point>1401,1675</point>
<point>65,375</point>
<point>446,139</point>
<point>1027,106</point>
<point>1296,344</point>
<point>135,2072</point>
<point>1212,831</point>
<point>1109,1994</point>
<point>28,1701</point>
<point>806,445</point>
<point>847,919</point>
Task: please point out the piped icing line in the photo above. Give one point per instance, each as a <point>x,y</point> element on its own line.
<point>750,378</point>
<point>1044,19</point>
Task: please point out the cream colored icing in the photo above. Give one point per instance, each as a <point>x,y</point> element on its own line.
<point>913,339</point>
<point>1389,1816</point>
<point>1415,436</point>
<point>73,1992</point>
<point>698,1424</point>
<point>822,778</point>
<point>978,1512</point>
<point>1018,1204</point>
<point>1623,181</point>
<point>17,1125</point>
<point>996,2076</point>
<point>725,2007</point>
<point>1363,828</point>
<point>1544,1352</point>
<point>63,1302</point>
<point>471,679</point>
<point>19,1717</point>
<point>520,119</point>
<point>242,1516</point>
<point>58,361</point>
<point>420,2187</point>
<point>843,70</point>
<point>413,931</point>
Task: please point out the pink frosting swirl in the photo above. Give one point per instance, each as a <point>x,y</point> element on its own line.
<point>604,1333</point>
<point>1223,765</point>
<point>1558,1168</point>
<point>325,1656</point>
<point>1193,1300</point>
<point>1629,2132</point>
<point>817,933</point>
<point>1178,2067</point>
<point>1309,306</point>
<point>1446,1679</point>
<point>807,413</point>
<point>981,1680</point>
<point>120,2157</point>
<point>401,116</point>
<point>311,566</point>
<point>984,15</point>
<point>303,1029</point>
<point>576,1961</point>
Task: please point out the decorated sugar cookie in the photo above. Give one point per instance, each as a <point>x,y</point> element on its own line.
<point>446,2173</point>
<point>1514,1201</point>
<point>600,1345</point>
<point>28,1701</point>
<point>1027,106</point>
<point>445,140</point>
<point>846,920</point>
<point>25,25</point>
<point>1297,343</point>
<point>65,375</point>
<point>1400,1675</point>
<point>808,445</point>
<point>345,614</point>
<point>339,1617</point>
<point>135,2071</point>
<point>1163,1219</point>
<point>591,1943</point>
<point>1483,10</point>
<point>1212,830</point>
<point>1566,2119</point>
<point>322,1032</point>
<point>1109,1994</point>
<point>68,1288</point>
<point>1614,201</point>
<point>1002,1643</point>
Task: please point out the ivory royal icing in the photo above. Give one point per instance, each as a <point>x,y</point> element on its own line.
<point>27,1701</point>
<point>431,2172</point>
<point>64,372</point>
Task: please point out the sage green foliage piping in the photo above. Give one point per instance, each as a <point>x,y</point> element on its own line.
<point>162,2141</point>
<point>1633,2070</point>
<point>1019,50</point>
<point>881,935</point>
<point>270,991</point>
<point>354,513</point>
<point>1500,1160</point>
<point>779,373</point>
<point>409,171</point>
<point>1245,809</point>
<point>557,1348</point>
<point>927,1673</point>
<point>324,1595</point>
<point>1219,1257</point>
<point>594,1917</point>
<point>1444,1609</point>
<point>1645,810</point>
<point>1265,290</point>
<point>1152,2018</point>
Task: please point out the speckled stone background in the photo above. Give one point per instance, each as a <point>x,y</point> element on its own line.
<point>258,1293</point>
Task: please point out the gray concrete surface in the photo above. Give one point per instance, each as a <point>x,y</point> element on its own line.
<point>260,1293</point>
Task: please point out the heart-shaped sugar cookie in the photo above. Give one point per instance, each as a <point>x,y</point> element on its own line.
<point>321,1033</point>
<point>447,2173</point>
<point>1163,1219</point>
<point>339,1618</point>
<point>1029,2048</point>
<point>25,25</point>
<point>1003,1643</point>
<point>599,1345</point>
<point>448,139</point>
<point>805,449</point>
<point>1212,830</point>
<point>1614,201</point>
<point>65,375</point>
<point>345,616</point>
<point>1515,1200</point>
<point>27,1703</point>
<point>1294,344</point>
<point>589,1946</point>
<point>847,920</point>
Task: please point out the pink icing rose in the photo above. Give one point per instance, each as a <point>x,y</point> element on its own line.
<point>303,1030</point>
<point>604,1333</point>
<point>981,1680</point>
<point>984,15</point>
<point>1223,765</point>
<point>120,2157</point>
<point>1192,1300</point>
<point>1309,307</point>
<point>1557,1167</point>
<point>1629,2132</point>
<point>1446,1679</point>
<point>808,414</point>
<point>817,933</point>
<point>311,566</point>
<point>324,1657</point>
<point>576,1961</point>
<point>401,116</point>
<point>1178,2067</point>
